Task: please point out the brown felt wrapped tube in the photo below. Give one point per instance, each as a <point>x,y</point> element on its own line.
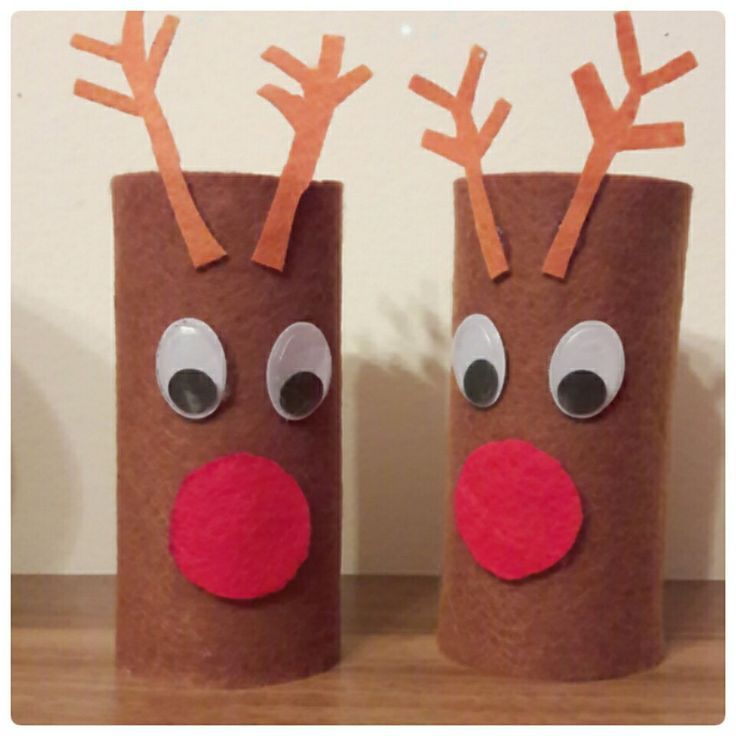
<point>597,613</point>
<point>167,627</point>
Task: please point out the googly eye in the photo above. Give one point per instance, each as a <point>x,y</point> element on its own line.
<point>191,369</point>
<point>479,360</point>
<point>298,371</point>
<point>587,369</point>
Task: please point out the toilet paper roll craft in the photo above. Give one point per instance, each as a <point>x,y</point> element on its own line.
<point>228,398</point>
<point>560,405</point>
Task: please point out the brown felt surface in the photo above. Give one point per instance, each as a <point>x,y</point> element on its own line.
<point>598,613</point>
<point>166,627</point>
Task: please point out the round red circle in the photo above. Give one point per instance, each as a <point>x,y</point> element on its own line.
<point>240,527</point>
<point>516,509</point>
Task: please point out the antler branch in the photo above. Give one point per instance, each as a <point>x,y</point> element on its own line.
<point>105,96</point>
<point>108,51</point>
<point>467,148</point>
<point>655,135</point>
<point>432,92</point>
<point>309,115</point>
<point>142,73</point>
<point>350,82</point>
<point>593,97</point>
<point>288,104</point>
<point>443,145</point>
<point>288,64</point>
<point>613,130</point>
<point>669,72</point>
<point>493,124</point>
<point>161,45</point>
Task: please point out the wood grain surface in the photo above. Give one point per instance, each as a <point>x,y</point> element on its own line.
<point>391,671</point>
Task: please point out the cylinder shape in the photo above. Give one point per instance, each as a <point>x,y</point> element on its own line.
<point>581,596</point>
<point>228,525</point>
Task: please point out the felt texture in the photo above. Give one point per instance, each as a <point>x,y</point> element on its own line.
<point>141,72</point>
<point>613,131</point>
<point>516,509</point>
<point>468,147</point>
<point>310,117</point>
<point>597,613</point>
<point>168,628</point>
<point>240,527</point>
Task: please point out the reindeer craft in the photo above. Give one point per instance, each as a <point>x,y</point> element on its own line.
<point>559,420</point>
<point>228,391</point>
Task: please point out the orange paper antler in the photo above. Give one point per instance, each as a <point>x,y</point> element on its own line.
<point>142,74</point>
<point>613,131</point>
<point>309,116</point>
<point>468,147</point>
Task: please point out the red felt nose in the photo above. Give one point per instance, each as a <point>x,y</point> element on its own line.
<point>240,527</point>
<point>516,509</point>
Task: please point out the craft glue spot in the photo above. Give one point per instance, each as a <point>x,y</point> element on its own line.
<point>240,527</point>
<point>516,509</point>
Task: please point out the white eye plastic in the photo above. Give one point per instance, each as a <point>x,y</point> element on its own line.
<point>191,369</point>
<point>298,371</point>
<point>479,360</point>
<point>587,369</point>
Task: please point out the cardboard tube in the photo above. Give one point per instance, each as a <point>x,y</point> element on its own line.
<point>598,612</point>
<point>168,628</point>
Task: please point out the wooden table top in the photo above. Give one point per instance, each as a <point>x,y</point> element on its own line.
<point>391,671</point>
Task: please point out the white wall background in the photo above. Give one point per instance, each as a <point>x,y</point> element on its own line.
<point>397,242</point>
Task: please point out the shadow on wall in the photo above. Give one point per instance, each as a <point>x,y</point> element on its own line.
<point>54,382</point>
<point>695,503</point>
<point>397,470</point>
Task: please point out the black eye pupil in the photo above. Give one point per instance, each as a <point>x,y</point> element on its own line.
<point>581,392</point>
<point>480,383</point>
<point>193,391</point>
<point>301,393</point>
